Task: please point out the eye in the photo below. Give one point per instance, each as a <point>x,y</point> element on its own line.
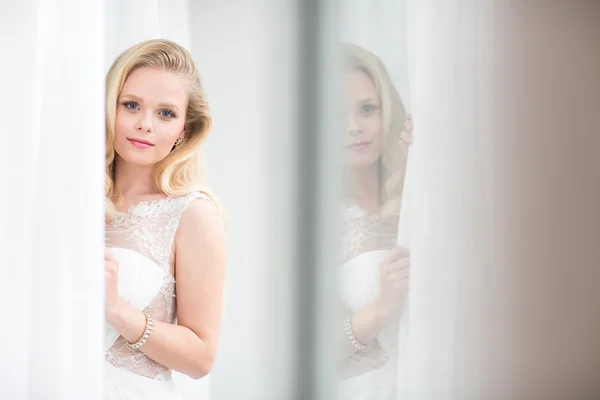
<point>369,108</point>
<point>167,114</point>
<point>131,105</point>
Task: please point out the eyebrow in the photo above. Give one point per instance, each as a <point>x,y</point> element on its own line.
<point>369,100</point>
<point>140,100</point>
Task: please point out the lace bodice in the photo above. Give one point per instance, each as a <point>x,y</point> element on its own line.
<point>361,233</point>
<point>149,229</point>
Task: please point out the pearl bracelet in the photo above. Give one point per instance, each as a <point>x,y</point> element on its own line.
<point>147,332</point>
<point>350,334</point>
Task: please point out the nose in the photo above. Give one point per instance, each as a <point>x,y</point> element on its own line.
<point>145,124</point>
<point>353,127</point>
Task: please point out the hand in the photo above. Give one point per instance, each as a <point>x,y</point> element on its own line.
<point>111,280</point>
<point>394,281</point>
<point>406,136</point>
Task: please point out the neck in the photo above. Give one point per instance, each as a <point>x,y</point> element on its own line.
<point>363,187</point>
<point>133,180</point>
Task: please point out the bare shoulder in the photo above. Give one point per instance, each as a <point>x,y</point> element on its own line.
<point>200,220</point>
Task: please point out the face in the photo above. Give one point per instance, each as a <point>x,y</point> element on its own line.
<point>150,116</point>
<point>363,142</point>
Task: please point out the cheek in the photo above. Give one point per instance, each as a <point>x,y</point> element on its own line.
<point>168,132</point>
<point>375,129</point>
<point>122,124</point>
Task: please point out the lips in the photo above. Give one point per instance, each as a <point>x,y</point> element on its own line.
<point>140,143</point>
<point>358,145</point>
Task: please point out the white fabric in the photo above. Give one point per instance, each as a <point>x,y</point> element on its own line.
<point>450,156</point>
<point>140,279</point>
<point>444,97</point>
<point>132,21</point>
<point>123,385</point>
<point>142,240</point>
<point>52,168</point>
<point>147,232</point>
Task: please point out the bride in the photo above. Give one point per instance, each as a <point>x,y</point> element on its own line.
<point>160,226</point>
<point>373,279</point>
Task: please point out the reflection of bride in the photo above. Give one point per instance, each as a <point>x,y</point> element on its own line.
<point>373,279</point>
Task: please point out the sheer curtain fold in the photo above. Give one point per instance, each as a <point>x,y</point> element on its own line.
<point>53,168</point>
<point>450,168</point>
<point>52,231</point>
<point>131,21</point>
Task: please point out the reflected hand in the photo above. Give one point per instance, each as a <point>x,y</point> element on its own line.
<point>406,135</point>
<point>394,280</point>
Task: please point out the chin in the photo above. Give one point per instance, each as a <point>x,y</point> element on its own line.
<point>135,158</point>
<point>360,161</point>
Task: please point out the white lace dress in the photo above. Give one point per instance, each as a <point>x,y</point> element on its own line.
<point>142,240</point>
<point>370,374</point>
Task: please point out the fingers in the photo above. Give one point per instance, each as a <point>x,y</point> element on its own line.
<point>395,254</point>
<point>111,273</point>
<point>406,134</point>
<point>399,276</point>
<point>392,271</point>
<point>111,264</point>
<point>396,271</point>
<point>398,285</point>
<point>408,124</point>
<point>108,256</point>
<point>401,286</point>
<point>400,280</point>
<point>406,137</point>
<point>401,264</point>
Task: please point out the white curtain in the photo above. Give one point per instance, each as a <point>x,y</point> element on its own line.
<point>451,196</point>
<point>131,21</point>
<point>51,237</point>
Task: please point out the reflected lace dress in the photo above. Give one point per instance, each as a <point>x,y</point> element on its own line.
<point>142,240</point>
<point>370,374</point>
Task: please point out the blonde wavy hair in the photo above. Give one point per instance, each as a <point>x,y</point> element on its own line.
<point>182,171</point>
<point>392,163</point>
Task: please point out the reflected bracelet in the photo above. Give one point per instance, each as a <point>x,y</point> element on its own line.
<point>350,334</point>
<point>147,332</point>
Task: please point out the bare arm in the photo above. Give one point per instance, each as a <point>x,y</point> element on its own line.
<point>191,346</point>
<point>369,321</point>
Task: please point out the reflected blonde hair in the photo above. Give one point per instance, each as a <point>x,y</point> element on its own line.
<point>392,162</point>
<point>182,171</point>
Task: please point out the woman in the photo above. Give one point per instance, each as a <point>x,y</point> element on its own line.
<point>374,277</point>
<point>160,226</point>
